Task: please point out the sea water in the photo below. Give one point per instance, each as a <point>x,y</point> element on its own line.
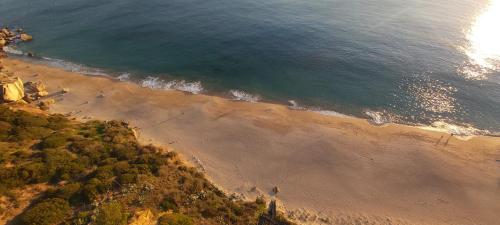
<point>414,61</point>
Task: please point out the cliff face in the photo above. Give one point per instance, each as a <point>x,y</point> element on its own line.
<point>12,90</point>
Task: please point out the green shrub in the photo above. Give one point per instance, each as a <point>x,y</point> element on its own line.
<point>18,133</point>
<point>124,152</point>
<point>68,191</point>
<point>4,130</point>
<point>25,119</point>
<point>127,178</point>
<point>49,212</point>
<point>6,114</point>
<point>175,219</point>
<point>168,203</point>
<point>34,172</point>
<point>57,122</point>
<point>104,172</point>
<point>62,165</point>
<point>54,141</point>
<point>89,192</point>
<point>111,213</point>
<point>121,167</point>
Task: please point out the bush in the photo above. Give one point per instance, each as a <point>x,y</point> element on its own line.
<point>4,130</point>
<point>68,191</point>
<point>57,122</point>
<point>28,133</point>
<point>54,141</point>
<point>62,165</point>
<point>91,189</point>
<point>25,119</point>
<point>34,172</point>
<point>127,178</point>
<point>168,203</point>
<point>123,152</point>
<point>175,219</point>
<point>111,214</point>
<point>49,212</point>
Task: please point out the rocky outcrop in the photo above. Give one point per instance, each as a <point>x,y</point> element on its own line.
<point>271,217</point>
<point>25,37</point>
<point>145,217</point>
<point>34,91</point>
<point>12,90</point>
<point>11,37</point>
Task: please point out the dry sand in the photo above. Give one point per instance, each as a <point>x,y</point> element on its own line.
<point>347,169</point>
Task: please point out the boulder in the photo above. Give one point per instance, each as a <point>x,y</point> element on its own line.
<point>37,89</point>
<point>3,42</point>
<point>6,32</point>
<point>44,105</point>
<point>26,37</point>
<point>12,90</point>
<point>145,217</point>
<point>275,190</point>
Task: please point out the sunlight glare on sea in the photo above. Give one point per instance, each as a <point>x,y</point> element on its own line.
<point>483,49</point>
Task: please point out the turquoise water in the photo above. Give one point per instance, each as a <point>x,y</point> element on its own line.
<point>393,60</point>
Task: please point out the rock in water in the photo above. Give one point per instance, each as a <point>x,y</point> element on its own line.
<point>26,37</point>
<point>12,90</point>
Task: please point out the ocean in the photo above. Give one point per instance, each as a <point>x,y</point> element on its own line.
<point>419,62</point>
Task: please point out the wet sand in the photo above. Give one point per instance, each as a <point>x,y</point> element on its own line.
<point>350,171</point>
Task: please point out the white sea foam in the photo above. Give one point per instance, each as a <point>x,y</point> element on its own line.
<point>181,85</point>
<point>329,113</point>
<point>244,96</point>
<point>124,77</point>
<point>73,67</point>
<point>378,118</point>
<point>12,50</point>
<point>294,105</point>
<point>152,82</point>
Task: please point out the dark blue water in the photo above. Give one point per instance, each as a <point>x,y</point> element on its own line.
<point>402,60</point>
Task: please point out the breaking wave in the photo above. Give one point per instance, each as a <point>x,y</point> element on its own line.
<point>73,67</point>
<point>294,105</point>
<point>328,113</point>
<point>375,117</point>
<point>378,118</point>
<point>244,96</point>
<point>181,85</point>
<point>124,77</point>
<point>12,50</point>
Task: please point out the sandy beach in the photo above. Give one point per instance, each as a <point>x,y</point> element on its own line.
<point>343,169</point>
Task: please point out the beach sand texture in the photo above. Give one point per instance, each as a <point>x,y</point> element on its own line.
<point>343,167</point>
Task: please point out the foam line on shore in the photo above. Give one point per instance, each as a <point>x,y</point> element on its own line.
<point>377,118</point>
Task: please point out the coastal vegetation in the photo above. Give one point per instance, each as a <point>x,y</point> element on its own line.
<point>97,173</point>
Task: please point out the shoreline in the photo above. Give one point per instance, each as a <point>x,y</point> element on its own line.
<point>333,165</point>
<point>376,118</point>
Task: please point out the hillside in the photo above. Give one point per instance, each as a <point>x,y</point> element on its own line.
<point>97,173</point>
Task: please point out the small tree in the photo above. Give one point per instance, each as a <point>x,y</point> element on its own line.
<point>111,214</point>
<point>175,219</point>
<point>49,212</point>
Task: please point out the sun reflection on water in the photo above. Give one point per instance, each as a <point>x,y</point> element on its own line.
<point>483,49</point>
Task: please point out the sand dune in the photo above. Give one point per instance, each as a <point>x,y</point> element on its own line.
<point>345,168</point>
